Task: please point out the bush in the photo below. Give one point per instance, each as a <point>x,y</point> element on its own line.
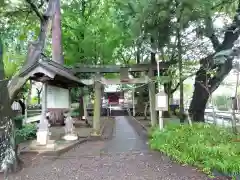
<point>18,121</point>
<point>27,132</point>
<point>206,146</point>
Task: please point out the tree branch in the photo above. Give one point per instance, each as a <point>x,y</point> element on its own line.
<point>41,4</point>
<point>39,90</point>
<point>35,9</point>
<point>91,9</point>
<point>210,32</point>
<point>221,4</point>
<point>34,50</point>
<point>232,32</point>
<point>231,35</point>
<point>183,79</point>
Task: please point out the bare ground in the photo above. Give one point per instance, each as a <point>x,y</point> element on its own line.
<point>124,157</point>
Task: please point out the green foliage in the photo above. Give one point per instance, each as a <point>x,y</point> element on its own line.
<point>90,36</point>
<point>34,100</point>
<point>206,146</point>
<point>27,132</point>
<point>222,102</point>
<point>163,79</point>
<point>18,118</point>
<point>18,121</point>
<point>75,112</point>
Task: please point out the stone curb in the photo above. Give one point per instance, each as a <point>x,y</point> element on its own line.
<point>101,137</point>
<point>65,149</point>
<point>57,152</point>
<point>111,130</point>
<point>103,126</point>
<point>144,127</point>
<point>141,130</point>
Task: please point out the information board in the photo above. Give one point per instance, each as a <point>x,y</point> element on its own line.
<point>57,97</point>
<point>161,101</point>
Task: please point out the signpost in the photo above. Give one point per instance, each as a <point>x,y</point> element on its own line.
<point>161,105</point>
<point>161,97</point>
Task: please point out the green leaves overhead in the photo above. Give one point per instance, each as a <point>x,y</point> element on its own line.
<point>107,32</point>
<point>91,36</point>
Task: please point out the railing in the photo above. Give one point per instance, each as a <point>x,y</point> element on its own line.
<point>223,118</point>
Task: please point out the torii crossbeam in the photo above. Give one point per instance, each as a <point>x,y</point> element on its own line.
<point>117,68</point>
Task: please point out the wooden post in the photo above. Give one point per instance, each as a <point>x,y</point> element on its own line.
<point>42,134</point>
<point>26,113</point>
<point>85,107</point>
<point>69,99</point>
<point>133,99</point>
<point>152,100</point>
<point>97,106</point>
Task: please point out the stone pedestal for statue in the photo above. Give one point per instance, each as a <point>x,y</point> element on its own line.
<point>69,129</point>
<point>43,141</point>
<point>42,137</point>
<point>43,133</point>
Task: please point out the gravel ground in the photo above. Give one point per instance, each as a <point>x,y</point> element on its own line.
<point>124,157</point>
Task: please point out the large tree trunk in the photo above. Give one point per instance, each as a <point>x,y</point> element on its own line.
<point>199,100</point>
<point>9,91</point>
<point>35,48</point>
<point>204,86</point>
<point>205,83</point>
<point>57,54</point>
<point>8,150</point>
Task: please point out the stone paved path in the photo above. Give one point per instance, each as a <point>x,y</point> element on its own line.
<point>125,139</point>
<point>125,157</point>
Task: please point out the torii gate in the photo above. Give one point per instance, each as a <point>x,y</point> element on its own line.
<point>98,81</point>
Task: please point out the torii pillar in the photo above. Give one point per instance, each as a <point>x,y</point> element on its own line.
<point>97,105</point>
<point>152,92</point>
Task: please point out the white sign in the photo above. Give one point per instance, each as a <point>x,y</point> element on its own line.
<point>16,106</point>
<point>57,97</point>
<point>161,101</point>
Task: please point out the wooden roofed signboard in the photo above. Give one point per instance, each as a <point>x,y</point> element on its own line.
<point>51,72</point>
<point>58,80</point>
